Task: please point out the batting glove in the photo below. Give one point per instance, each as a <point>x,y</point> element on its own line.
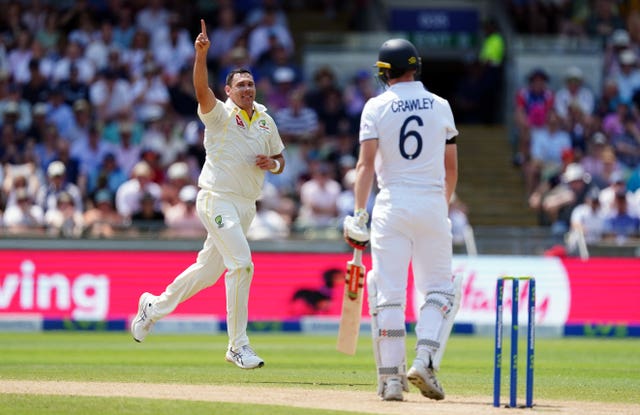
<point>355,229</point>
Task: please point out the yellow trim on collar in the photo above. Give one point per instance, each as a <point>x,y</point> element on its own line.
<point>245,116</point>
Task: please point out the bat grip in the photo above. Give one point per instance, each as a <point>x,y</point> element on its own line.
<point>357,257</point>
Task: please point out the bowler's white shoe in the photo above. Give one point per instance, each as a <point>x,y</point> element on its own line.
<point>392,390</point>
<point>422,376</point>
<point>142,323</point>
<point>244,357</point>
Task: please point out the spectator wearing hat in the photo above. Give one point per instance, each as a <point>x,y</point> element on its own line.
<point>101,220</point>
<point>15,110</point>
<point>587,223</point>
<point>64,220</point>
<point>591,161</point>
<point>19,176</point>
<point>71,163</point>
<point>574,92</point>
<point>284,84</point>
<point>23,216</point>
<point>628,79</point>
<point>56,183</point>
<point>177,178</point>
<point>616,43</point>
<point>81,121</point>
<point>128,194</point>
<point>533,103</point>
<point>278,57</point>
<point>182,218</point>
<point>588,218</point>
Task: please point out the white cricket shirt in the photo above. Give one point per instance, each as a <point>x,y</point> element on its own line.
<point>412,126</point>
<point>232,142</point>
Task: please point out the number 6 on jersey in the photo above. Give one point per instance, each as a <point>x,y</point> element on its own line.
<point>351,305</point>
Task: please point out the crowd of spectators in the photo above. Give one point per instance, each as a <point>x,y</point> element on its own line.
<point>579,144</point>
<point>98,126</point>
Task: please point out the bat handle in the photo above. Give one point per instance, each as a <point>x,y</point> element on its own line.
<point>357,256</point>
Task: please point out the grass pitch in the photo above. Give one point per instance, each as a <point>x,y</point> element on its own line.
<point>576,369</point>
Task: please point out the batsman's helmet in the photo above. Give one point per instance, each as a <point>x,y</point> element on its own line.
<point>396,56</point>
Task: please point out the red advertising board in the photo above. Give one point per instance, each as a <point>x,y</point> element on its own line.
<point>105,285</point>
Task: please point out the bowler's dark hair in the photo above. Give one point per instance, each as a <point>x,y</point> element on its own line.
<point>235,71</point>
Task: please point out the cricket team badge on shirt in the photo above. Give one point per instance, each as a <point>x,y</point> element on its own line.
<point>263,125</point>
<point>239,121</point>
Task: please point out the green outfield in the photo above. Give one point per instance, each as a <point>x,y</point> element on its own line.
<point>571,369</point>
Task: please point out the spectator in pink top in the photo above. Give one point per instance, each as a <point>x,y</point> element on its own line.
<point>533,103</point>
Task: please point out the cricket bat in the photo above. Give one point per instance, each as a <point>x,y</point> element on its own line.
<point>351,305</point>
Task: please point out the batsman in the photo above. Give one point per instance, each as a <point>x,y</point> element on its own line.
<point>408,143</point>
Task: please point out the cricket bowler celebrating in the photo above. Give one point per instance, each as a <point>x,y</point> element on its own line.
<point>241,142</point>
<point>407,140</point>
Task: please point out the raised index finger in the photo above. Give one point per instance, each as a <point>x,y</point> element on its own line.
<point>203,27</point>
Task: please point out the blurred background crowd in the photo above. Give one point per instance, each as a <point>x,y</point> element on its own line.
<point>99,135</point>
<point>578,145</point>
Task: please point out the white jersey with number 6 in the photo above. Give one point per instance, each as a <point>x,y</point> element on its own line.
<point>411,125</point>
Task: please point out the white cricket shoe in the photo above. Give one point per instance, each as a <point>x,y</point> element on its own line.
<point>423,377</point>
<point>392,390</point>
<point>142,323</point>
<point>244,357</point>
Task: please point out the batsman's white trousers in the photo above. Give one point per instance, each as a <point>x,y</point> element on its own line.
<point>227,219</point>
<point>409,225</point>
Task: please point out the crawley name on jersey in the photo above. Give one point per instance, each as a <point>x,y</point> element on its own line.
<point>412,126</point>
<point>232,142</point>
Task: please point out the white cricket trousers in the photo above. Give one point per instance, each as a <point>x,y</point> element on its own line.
<point>227,219</point>
<point>409,226</point>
